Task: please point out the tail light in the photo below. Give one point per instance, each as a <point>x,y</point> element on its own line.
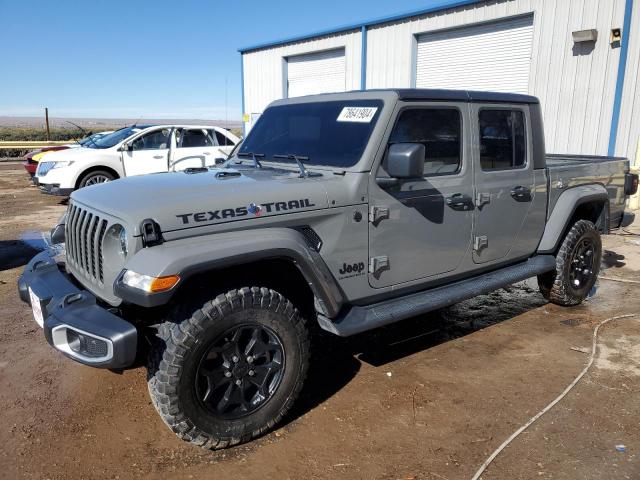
<point>630,184</point>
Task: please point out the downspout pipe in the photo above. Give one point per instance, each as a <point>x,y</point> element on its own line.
<point>622,66</point>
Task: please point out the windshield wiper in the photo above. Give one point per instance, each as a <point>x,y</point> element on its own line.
<point>84,132</point>
<point>299,159</point>
<point>255,156</point>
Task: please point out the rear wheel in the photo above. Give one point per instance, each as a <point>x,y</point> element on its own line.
<point>232,370</point>
<point>577,266</point>
<point>96,177</point>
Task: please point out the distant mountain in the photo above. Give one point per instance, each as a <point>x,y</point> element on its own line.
<point>107,123</point>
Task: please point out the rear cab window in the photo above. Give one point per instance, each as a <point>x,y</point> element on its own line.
<point>502,139</point>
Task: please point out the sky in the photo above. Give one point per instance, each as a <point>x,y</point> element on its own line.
<point>150,58</point>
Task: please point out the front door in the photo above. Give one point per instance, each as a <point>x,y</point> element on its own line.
<point>194,147</point>
<point>421,228</point>
<point>149,154</point>
<point>504,177</point>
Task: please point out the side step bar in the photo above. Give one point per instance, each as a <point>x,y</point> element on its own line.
<point>360,319</point>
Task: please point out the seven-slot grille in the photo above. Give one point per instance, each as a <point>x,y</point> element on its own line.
<point>84,232</point>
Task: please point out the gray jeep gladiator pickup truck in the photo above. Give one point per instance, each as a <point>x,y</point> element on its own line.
<point>352,210</point>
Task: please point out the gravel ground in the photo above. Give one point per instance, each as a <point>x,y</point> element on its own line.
<point>429,398</point>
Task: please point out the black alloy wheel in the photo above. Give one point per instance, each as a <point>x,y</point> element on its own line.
<point>240,371</point>
<point>581,269</point>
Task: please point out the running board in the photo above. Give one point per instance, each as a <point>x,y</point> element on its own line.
<point>360,319</point>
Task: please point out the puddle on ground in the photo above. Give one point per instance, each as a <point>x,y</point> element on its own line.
<point>572,322</point>
<point>16,253</point>
<point>35,240</point>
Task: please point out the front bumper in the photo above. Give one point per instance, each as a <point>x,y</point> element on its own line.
<point>74,323</point>
<point>30,168</point>
<point>54,189</point>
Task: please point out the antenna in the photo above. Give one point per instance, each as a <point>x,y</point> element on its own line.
<point>226,107</point>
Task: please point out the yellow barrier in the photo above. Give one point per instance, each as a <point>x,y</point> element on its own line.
<point>24,144</point>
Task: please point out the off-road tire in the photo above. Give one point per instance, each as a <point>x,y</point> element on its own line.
<point>556,286</point>
<point>180,346</point>
<point>102,175</point>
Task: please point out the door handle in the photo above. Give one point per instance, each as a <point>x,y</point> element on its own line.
<point>521,194</point>
<point>206,153</point>
<point>459,201</point>
<point>158,156</point>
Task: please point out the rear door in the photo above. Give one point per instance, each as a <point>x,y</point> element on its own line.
<point>421,228</point>
<point>194,148</point>
<point>150,153</point>
<point>504,178</point>
<point>225,143</point>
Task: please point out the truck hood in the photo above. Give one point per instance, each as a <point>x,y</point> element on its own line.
<point>178,200</point>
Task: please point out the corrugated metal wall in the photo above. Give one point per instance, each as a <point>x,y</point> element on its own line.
<point>628,141</point>
<point>264,70</point>
<point>575,84</point>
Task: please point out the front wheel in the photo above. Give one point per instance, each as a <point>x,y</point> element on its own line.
<point>577,266</point>
<point>232,370</point>
<point>96,177</point>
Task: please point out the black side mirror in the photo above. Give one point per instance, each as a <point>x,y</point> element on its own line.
<point>406,160</point>
<point>219,161</point>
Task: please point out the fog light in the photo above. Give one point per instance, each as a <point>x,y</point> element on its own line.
<point>73,340</point>
<point>86,345</point>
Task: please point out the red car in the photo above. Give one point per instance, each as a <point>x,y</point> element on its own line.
<point>31,165</point>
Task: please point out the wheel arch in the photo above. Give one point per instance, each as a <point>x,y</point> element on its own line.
<point>279,257</point>
<point>585,202</point>
<point>95,168</point>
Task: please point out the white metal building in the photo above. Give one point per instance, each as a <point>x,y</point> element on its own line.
<point>580,57</point>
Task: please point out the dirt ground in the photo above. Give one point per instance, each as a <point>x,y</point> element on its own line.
<point>429,398</point>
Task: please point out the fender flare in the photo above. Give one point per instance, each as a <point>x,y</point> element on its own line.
<point>191,256</point>
<point>563,211</point>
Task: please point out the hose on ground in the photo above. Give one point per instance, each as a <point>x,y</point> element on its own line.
<point>513,436</point>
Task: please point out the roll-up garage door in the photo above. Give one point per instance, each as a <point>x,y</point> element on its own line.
<point>492,56</point>
<point>320,72</point>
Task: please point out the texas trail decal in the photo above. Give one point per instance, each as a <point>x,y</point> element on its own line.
<point>254,209</point>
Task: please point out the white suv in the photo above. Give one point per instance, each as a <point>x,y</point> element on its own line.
<point>134,150</point>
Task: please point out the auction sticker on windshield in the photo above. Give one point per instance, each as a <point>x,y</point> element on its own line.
<point>36,307</point>
<point>357,114</point>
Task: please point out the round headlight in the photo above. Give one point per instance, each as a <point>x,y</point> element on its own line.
<point>114,245</point>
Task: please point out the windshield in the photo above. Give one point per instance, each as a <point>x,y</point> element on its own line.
<point>90,139</point>
<point>331,134</point>
<point>112,139</point>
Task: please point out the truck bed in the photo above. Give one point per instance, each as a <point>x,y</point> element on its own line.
<point>556,160</point>
<point>566,171</point>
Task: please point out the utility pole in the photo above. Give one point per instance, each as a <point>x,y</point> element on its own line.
<point>46,120</point>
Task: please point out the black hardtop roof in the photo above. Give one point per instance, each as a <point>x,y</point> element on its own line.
<point>462,95</point>
<point>414,94</point>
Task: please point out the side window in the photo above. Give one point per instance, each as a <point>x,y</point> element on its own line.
<point>223,140</point>
<point>194,138</point>
<point>439,130</point>
<point>156,140</point>
<point>502,139</point>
